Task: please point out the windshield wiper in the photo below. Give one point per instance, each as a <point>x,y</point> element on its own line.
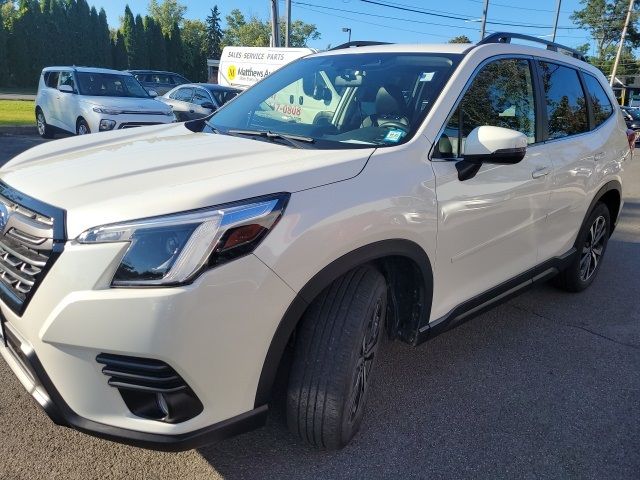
<point>295,141</point>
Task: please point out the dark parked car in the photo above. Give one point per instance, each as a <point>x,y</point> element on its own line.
<point>632,117</point>
<point>157,80</point>
<point>197,100</point>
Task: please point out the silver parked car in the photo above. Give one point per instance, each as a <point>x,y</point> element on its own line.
<point>197,100</point>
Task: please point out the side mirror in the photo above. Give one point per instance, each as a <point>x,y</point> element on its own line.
<point>153,93</point>
<point>65,88</point>
<point>488,144</point>
<point>208,106</point>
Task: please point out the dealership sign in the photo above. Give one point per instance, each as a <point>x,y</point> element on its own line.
<point>243,66</point>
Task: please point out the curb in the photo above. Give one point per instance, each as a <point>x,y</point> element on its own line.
<point>19,130</point>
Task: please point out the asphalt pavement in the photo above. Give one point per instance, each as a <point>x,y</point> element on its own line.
<point>544,386</point>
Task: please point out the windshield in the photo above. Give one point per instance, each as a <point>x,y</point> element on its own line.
<point>342,101</point>
<point>633,113</point>
<point>110,85</point>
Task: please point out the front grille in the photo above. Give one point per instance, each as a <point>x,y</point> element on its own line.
<point>29,243</point>
<point>137,124</point>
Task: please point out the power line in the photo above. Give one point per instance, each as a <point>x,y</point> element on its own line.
<point>384,16</point>
<point>493,4</point>
<point>457,17</point>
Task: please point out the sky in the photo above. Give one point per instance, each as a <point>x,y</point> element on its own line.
<point>394,23</point>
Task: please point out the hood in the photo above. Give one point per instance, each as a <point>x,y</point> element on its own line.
<point>123,175</point>
<point>126,103</point>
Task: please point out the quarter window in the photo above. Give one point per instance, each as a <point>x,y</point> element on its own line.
<point>501,95</point>
<point>600,103</point>
<point>51,79</point>
<point>200,97</point>
<point>566,103</point>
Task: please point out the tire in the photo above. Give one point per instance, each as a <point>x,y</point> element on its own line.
<point>82,127</point>
<point>334,357</point>
<point>44,130</point>
<point>582,271</point>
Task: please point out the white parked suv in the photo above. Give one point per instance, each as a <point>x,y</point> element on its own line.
<point>83,100</point>
<point>155,282</point>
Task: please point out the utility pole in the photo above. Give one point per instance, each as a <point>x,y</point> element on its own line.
<point>287,30</point>
<point>275,31</point>
<point>555,24</point>
<point>619,52</point>
<point>484,18</point>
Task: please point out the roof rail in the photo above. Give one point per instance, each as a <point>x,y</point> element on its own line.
<point>358,43</point>
<point>506,37</point>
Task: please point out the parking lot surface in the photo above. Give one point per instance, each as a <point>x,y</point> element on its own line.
<point>544,386</point>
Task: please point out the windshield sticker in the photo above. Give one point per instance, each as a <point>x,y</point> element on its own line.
<point>426,76</point>
<point>394,136</point>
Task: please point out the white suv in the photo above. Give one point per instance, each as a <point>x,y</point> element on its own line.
<point>155,282</point>
<point>83,100</point>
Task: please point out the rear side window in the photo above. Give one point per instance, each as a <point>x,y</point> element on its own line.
<point>566,102</point>
<point>200,97</point>
<point>51,79</point>
<point>602,108</point>
<point>182,94</point>
<point>178,80</point>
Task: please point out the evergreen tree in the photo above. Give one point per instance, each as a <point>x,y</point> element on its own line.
<point>104,40</point>
<point>156,45</point>
<point>142,52</point>
<point>174,50</point>
<point>194,35</point>
<point>214,34</point>
<point>128,29</point>
<point>3,52</point>
<point>120,61</point>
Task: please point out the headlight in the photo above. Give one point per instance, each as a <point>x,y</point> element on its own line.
<point>107,111</point>
<point>174,249</point>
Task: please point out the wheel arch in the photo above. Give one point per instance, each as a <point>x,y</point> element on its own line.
<point>611,195</point>
<point>395,258</point>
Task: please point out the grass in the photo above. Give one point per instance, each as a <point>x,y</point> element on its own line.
<point>16,112</point>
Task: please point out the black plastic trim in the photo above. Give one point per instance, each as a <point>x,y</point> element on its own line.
<point>61,414</point>
<point>362,255</point>
<point>607,187</point>
<point>494,296</point>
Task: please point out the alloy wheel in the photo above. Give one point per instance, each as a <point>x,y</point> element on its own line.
<point>365,361</point>
<point>593,248</point>
<point>41,123</point>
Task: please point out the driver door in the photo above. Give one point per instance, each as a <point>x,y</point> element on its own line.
<point>489,225</point>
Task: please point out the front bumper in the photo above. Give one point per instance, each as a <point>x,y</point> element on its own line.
<point>27,367</point>
<point>215,333</point>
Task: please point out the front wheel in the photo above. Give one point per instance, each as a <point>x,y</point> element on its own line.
<point>83,127</point>
<point>591,244</point>
<point>44,130</point>
<point>334,358</point>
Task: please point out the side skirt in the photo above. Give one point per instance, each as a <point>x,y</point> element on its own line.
<point>495,296</point>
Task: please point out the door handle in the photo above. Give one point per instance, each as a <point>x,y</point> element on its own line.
<point>599,156</point>
<point>539,173</point>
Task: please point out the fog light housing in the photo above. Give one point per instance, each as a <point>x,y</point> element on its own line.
<point>107,125</point>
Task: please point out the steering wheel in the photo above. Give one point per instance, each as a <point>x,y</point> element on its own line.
<point>395,124</point>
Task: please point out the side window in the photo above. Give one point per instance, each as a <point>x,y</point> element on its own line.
<point>566,103</point>
<point>501,95</point>
<point>183,94</point>
<point>51,79</point>
<point>602,108</point>
<point>66,78</point>
<point>200,97</point>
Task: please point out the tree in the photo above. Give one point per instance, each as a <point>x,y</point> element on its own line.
<point>300,33</point>
<point>256,33</point>
<point>174,49</point>
<point>120,61</point>
<point>142,52</point>
<point>194,36</point>
<point>460,39</point>
<point>3,51</point>
<point>167,13</point>
<point>214,34</point>
<point>156,44</point>
<point>604,19</point>
<point>104,40</point>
